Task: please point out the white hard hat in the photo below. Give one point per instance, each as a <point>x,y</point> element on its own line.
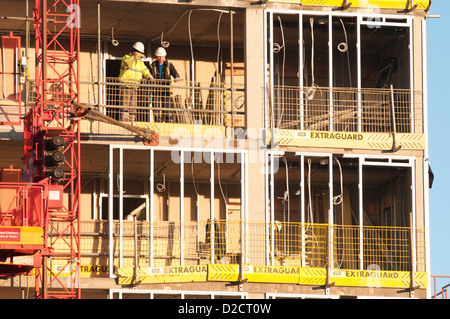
<point>139,46</point>
<point>160,52</point>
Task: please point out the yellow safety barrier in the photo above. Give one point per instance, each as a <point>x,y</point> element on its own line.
<point>257,251</point>
<point>274,274</point>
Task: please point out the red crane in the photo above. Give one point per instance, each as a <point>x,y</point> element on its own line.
<point>52,144</point>
<point>39,217</point>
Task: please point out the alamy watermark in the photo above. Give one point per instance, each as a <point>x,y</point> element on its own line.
<point>251,143</point>
<point>74,19</point>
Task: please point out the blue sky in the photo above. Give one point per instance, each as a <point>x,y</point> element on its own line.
<point>439,145</point>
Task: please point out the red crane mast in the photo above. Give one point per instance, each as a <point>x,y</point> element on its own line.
<point>52,144</point>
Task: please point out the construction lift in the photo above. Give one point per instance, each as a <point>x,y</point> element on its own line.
<point>42,212</point>
<point>52,145</point>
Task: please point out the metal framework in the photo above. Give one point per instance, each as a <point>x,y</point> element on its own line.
<point>272,159</point>
<point>362,20</point>
<point>57,44</point>
<point>182,154</point>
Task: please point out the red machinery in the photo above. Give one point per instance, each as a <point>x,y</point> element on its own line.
<point>39,225</point>
<point>52,144</point>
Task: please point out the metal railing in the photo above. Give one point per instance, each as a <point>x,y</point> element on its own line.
<point>346,109</point>
<point>367,110</point>
<point>22,204</point>
<point>181,102</point>
<point>443,293</point>
<point>174,243</point>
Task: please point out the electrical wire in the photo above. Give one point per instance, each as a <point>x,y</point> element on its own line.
<point>197,202</point>
<point>113,41</point>
<point>344,48</point>
<point>190,44</point>
<point>286,197</point>
<point>164,44</point>
<point>117,182</point>
<point>276,46</point>
<point>162,187</point>
<point>218,42</point>
<point>311,23</point>
<point>192,175</point>
<point>220,186</point>
<point>277,49</point>
<point>310,208</point>
<point>311,91</point>
<point>338,199</point>
<point>181,17</point>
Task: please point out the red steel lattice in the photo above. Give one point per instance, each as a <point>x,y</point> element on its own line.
<point>57,27</point>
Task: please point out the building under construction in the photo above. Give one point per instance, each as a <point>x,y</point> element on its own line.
<point>288,160</point>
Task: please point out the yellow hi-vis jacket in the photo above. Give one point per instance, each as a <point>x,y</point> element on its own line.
<point>133,69</point>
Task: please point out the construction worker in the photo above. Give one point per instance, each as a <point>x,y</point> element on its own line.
<point>162,71</point>
<point>132,70</point>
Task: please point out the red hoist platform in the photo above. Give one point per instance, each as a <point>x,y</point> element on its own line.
<point>39,217</point>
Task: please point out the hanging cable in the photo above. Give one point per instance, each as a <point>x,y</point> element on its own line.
<point>338,199</point>
<point>192,175</point>
<point>344,48</point>
<point>311,23</point>
<point>173,27</point>
<point>277,49</point>
<point>310,92</point>
<point>164,44</point>
<point>191,47</point>
<point>218,41</point>
<point>220,186</point>
<point>197,202</point>
<point>276,46</point>
<point>189,13</point>
<point>286,197</point>
<point>311,213</point>
<point>310,208</point>
<point>162,187</point>
<point>113,41</point>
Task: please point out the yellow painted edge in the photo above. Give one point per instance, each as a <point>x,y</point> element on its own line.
<point>382,4</point>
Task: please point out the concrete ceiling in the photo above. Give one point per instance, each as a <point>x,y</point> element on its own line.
<point>140,21</point>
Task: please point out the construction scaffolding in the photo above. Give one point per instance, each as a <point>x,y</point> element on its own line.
<point>293,154</point>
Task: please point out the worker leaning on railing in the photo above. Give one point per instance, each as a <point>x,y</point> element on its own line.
<point>132,71</point>
<point>163,71</point>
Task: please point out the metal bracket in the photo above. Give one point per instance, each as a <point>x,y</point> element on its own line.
<point>344,6</point>
<point>428,8</point>
<point>326,287</point>
<point>410,7</point>
<point>412,290</point>
<point>262,3</point>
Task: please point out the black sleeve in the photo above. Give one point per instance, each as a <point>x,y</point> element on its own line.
<point>173,71</point>
<point>152,70</point>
